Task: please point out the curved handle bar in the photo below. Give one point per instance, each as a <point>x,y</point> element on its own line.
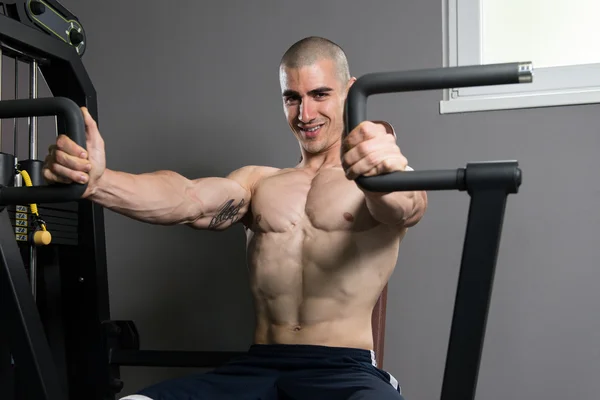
<point>42,107</point>
<point>418,80</point>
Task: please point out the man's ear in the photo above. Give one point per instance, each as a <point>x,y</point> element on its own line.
<point>351,82</point>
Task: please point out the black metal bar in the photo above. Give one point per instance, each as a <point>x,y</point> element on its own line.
<point>7,375</point>
<point>75,129</point>
<point>418,80</point>
<point>176,359</point>
<point>50,304</point>
<point>27,338</point>
<point>85,277</point>
<point>431,79</point>
<point>473,294</point>
<point>418,180</point>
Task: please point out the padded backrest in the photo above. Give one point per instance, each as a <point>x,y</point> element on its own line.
<point>378,322</point>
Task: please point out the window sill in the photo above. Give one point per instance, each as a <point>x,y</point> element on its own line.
<point>518,101</point>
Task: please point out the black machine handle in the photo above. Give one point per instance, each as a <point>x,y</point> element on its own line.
<point>419,80</point>
<point>75,129</point>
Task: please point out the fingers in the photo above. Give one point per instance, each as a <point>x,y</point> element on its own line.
<point>376,163</point>
<point>370,150</point>
<point>67,145</point>
<point>67,162</point>
<point>373,157</point>
<point>69,154</point>
<point>67,170</point>
<point>364,131</point>
<point>62,166</point>
<point>367,149</point>
<point>51,177</point>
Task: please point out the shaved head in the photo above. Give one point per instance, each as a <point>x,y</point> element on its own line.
<point>309,50</point>
<point>315,79</point>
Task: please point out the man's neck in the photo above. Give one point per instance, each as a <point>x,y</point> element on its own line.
<point>328,159</point>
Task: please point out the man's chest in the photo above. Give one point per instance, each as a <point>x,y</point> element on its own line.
<point>326,201</point>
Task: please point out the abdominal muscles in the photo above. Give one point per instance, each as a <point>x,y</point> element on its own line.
<point>313,286</point>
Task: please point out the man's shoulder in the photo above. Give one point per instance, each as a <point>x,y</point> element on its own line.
<point>250,175</point>
<point>256,170</point>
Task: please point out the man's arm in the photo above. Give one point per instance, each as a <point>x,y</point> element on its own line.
<point>402,209</point>
<point>168,198</point>
<point>162,197</point>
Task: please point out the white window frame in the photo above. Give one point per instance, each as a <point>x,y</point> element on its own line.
<point>552,86</point>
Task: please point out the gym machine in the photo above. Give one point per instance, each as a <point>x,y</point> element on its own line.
<point>53,281</point>
<point>57,340</point>
<point>487,183</point>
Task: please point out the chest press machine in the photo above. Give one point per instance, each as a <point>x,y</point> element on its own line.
<point>53,281</point>
<point>57,341</point>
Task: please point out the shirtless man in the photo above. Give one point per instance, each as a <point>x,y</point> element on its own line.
<point>320,249</point>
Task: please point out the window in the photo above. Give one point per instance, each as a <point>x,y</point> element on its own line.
<point>560,37</point>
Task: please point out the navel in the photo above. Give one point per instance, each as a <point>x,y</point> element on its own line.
<point>349,217</point>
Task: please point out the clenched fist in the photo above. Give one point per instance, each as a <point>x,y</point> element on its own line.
<point>369,150</point>
<point>67,162</point>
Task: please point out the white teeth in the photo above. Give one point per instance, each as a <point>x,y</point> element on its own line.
<point>312,129</point>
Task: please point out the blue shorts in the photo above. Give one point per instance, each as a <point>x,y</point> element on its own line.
<point>285,372</point>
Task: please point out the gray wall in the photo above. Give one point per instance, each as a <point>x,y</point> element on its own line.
<point>194,88</point>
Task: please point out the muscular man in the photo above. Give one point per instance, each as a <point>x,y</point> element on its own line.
<point>320,249</point>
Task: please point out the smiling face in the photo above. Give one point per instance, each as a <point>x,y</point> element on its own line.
<point>313,102</point>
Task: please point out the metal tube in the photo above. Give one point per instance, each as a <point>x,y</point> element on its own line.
<point>33,153</point>
<point>419,80</point>
<point>451,179</point>
<point>1,58</point>
<point>16,119</point>
<point>45,83</point>
<point>33,269</point>
<point>431,79</point>
<point>33,125</point>
<point>75,129</point>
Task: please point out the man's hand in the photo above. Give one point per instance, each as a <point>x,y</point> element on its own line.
<point>68,162</point>
<point>369,150</point>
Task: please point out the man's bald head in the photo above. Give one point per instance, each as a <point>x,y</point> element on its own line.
<point>309,50</point>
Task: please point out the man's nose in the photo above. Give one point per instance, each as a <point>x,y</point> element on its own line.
<point>307,111</point>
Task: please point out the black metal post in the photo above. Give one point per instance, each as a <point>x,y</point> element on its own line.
<point>7,375</point>
<point>27,338</point>
<point>475,282</point>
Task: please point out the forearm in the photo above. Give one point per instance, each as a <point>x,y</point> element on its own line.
<point>402,209</point>
<point>161,197</point>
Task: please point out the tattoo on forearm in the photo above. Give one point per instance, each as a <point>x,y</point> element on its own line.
<point>228,211</point>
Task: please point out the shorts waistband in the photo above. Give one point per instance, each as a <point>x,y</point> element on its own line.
<point>309,351</point>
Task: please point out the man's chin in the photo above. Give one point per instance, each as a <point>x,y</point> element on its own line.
<point>315,148</point>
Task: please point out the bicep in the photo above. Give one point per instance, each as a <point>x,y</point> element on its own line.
<point>222,201</point>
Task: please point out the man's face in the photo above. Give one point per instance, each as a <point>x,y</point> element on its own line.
<point>313,102</point>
